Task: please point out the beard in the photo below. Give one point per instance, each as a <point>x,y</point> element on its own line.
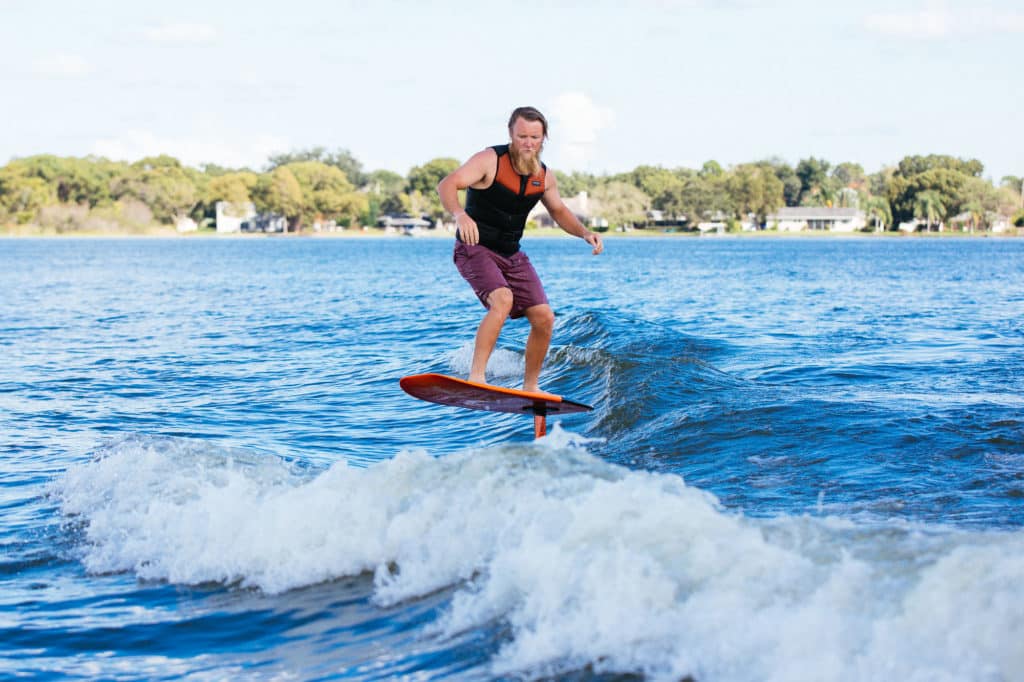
<point>525,165</point>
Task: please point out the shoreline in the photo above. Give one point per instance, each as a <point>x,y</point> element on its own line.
<point>158,233</point>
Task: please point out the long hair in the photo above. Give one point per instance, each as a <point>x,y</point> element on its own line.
<point>528,114</point>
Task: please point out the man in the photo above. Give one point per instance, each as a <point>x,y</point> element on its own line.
<point>503,183</point>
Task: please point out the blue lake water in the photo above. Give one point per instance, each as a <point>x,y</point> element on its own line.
<point>806,462</point>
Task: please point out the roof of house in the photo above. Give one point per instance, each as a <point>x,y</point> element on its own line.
<point>402,221</point>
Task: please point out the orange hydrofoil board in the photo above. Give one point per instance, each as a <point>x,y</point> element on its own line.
<point>446,390</point>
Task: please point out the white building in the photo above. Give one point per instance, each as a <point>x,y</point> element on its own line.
<point>579,205</point>
<point>231,216</point>
<point>404,223</point>
<point>817,218</point>
<point>186,224</point>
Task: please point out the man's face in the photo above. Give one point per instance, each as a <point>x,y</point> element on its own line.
<point>527,137</point>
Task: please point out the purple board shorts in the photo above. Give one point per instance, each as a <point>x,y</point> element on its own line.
<point>486,271</point>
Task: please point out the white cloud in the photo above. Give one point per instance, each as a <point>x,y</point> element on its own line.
<point>940,23</point>
<point>63,65</point>
<point>576,124</point>
<point>181,34</point>
<point>192,151</point>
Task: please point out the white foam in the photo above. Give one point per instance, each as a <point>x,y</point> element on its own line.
<point>503,364</point>
<point>588,562</point>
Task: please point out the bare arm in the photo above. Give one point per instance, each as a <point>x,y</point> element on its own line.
<point>477,172</point>
<point>565,218</point>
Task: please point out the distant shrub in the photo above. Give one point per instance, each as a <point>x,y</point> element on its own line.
<point>135,213</point>
<point>62,218</point>
<point>125,215</point>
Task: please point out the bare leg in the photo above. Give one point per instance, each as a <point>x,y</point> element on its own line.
<point>499,303</point>
<point>542,324</point>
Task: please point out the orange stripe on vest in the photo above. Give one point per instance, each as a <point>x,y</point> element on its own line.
<point>508,178</point>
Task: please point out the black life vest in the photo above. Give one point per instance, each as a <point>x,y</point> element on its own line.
<point>500,210</point>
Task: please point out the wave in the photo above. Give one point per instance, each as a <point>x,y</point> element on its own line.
<point>588,564</point>
<point>872,435</point>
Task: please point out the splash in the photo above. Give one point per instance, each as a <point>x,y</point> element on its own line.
<point>503,364</point>
<point>589,564</point>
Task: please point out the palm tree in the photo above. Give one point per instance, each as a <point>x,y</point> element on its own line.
<point>879,212</point>
<point>847,197</point>
<point>1017,185</point>
<point>928,205</point>
<point>976,211</point>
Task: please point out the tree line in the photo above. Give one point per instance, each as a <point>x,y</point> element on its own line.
<point>68,194</point>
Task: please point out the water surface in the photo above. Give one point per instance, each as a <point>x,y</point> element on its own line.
<point>806,462</point>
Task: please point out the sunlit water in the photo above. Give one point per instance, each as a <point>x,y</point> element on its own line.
<point>806,462</point>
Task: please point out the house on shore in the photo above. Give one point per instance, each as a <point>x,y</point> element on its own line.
<point>230,216</point>
<point>664,220</point>
<point>579,205</point>
<point>404,223</point>
<point>992,222</point>
<point>244,218</point>
<point>817,219</point>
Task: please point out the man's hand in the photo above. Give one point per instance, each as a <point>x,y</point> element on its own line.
<point>594,239</point>
<point>467,228</point>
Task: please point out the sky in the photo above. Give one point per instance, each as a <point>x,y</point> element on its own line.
<point>397,83</point>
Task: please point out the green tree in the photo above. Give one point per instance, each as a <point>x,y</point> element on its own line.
<point>384,182</point>
<point>23,196</point>
<point>394,203</point>
<point>621,203</point>
<point>815,188</point>
<point>981,191</point>
<point>878,212</point>
<point>384,195</point>
<point>697,198</point>
<point>154,162</point>
<point>711,169</point>
<point>928,206</point>
<point>910,166</point>
<point>654,181</point>
<point>975,211</point>
<point>791,184</point>
<point>214,170</point>
<point>850,175</point>
<point>424,180</point>
<point>571,184</point>
<point>417,203</point>
<point>73,180</point>
<point>342,159</point>
<point>279,192</point>
<point>1007,202</point>
<point>83,181</point>
<point>326,193</point>
<point>754,189</point>
<point>1016,185</point>
<point>235,187</point>
<point>949,186</point>
<point>879,182</point>
<point>162,184</point>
